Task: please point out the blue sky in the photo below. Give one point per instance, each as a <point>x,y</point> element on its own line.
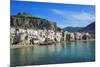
<point>63,14</point>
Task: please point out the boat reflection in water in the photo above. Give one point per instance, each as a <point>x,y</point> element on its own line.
<point>67,52</point>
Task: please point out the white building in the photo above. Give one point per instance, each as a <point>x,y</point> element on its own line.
<point>72,36</point>
<point>66,35</point>
<point>58,36</point>
<point>51,35</point>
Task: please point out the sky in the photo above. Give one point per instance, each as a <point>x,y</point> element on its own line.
<point>63,14</point>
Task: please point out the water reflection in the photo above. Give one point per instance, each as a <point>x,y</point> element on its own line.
<point>66,52</point>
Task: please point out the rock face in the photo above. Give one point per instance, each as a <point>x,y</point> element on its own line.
<point>24,20</point>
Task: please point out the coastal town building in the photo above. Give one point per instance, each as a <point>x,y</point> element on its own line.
<point>32,36</point>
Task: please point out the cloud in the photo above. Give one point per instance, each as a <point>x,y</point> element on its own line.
<point>83,16</point>
<point>70,15</point>
<point>57,11</point>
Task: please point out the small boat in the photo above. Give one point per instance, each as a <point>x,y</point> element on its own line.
<point>46,43</point>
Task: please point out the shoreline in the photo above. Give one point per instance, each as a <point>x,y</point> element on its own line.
<point>32,45</point>
<point>20,46</point>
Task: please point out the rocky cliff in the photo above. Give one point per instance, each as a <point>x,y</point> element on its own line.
<point>25,20</point>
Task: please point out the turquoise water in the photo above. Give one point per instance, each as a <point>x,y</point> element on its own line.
<point>67,52</point>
